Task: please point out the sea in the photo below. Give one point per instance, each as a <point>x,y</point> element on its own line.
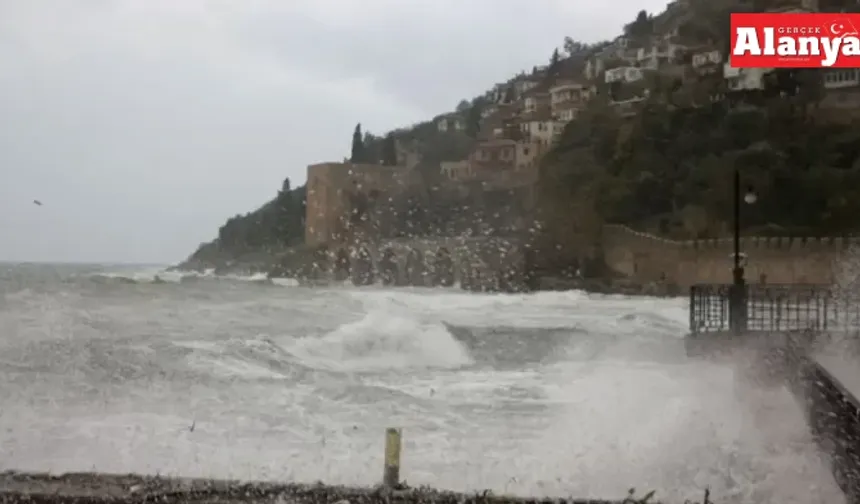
<point>137,369</point>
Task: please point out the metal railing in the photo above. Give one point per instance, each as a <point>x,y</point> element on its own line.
<point>775,308</point>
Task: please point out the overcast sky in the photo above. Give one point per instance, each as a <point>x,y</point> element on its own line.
<point>143,124</point>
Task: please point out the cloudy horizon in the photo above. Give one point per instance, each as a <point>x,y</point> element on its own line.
<point>141,125</point>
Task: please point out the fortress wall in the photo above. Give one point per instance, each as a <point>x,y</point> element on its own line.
<point>327,199</point>
<point>641,256</point>
<point>780,259</point>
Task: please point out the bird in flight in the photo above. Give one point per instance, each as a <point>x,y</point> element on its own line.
<point>37,202</point>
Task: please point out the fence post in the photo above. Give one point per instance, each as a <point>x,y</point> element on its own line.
<point>391,473</point>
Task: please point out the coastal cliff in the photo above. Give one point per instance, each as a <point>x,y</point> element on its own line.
<point>641,131</point>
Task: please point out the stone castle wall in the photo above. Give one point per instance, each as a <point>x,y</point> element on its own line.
<point>639,256</point>
<point>646,258</point>
<point>327,200</point>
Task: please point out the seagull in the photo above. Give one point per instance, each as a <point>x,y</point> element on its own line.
<point>37,202</point>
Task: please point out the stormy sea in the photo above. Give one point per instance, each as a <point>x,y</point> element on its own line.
<point>134,369</point>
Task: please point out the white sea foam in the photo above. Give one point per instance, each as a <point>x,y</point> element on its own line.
<point>300,383</point>
<point>160,274</point>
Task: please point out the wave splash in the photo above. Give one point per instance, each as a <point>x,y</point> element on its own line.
<point>164,276</point>
<point>383,341</point>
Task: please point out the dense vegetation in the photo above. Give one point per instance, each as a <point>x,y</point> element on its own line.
<point>669,169</point>
<point>278,224</point>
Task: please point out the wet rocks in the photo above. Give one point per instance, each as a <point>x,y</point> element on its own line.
<point>96,488</point>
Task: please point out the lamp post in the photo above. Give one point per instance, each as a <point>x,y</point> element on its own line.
<point>738,294</point>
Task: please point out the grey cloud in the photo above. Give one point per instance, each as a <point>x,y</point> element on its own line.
<point>143,124</point>
<point>435,53</point>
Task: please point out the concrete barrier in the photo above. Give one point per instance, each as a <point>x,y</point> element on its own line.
<point>789,358</point>
<point>833,414</point>
<point>832,411</point>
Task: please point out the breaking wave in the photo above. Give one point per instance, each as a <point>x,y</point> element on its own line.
<point>381,340</point>
<point>166,276</point>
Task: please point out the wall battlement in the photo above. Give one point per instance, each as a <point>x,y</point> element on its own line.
<point>804,243</point>
<point>647,257</point>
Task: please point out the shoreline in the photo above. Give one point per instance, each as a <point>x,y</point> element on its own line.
<point>105,488</point>
<point>605,286</point>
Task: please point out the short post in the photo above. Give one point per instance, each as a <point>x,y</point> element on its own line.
<point>391,473</point>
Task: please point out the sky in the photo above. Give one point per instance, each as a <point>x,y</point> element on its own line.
<point>141,125</point>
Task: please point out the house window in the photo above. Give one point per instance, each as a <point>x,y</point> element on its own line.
<point>525,151</point>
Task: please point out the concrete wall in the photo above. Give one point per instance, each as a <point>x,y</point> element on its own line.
<point>646,258</point>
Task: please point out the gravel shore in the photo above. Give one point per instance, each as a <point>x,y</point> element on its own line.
<point>97,488</point>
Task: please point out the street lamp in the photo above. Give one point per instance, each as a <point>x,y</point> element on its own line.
<point>737,298</point>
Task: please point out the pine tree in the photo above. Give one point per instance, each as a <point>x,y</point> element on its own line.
<point>473,118</point>
<point>358,154</point>
<point>553,62</point>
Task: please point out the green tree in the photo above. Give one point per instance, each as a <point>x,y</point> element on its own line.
<point>358,151</point>
<point>572,47</point>
<point>668,169</point>
<point>641,27</point>
<point>372,147</point>
<point>389,150</point>
<point>554,63</point>
<point>474,116</point>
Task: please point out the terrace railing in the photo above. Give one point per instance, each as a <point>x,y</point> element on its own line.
<point>775,308</point>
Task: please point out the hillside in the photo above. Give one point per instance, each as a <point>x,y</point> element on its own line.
<point>650,139</point>
<point>667,166</point>
<point>257,237</point>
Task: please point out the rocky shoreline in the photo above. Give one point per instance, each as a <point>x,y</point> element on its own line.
<point>101,488</point>
<point>306,267</point>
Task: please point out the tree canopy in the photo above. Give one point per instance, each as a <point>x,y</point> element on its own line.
<point>277,224</point>
<point>669,169</point>
<point>358,151</point>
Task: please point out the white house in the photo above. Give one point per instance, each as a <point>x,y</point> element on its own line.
<point>450,122</point>
<point>842,78</point>
<point>624,74</point>
<point>744,79</point>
